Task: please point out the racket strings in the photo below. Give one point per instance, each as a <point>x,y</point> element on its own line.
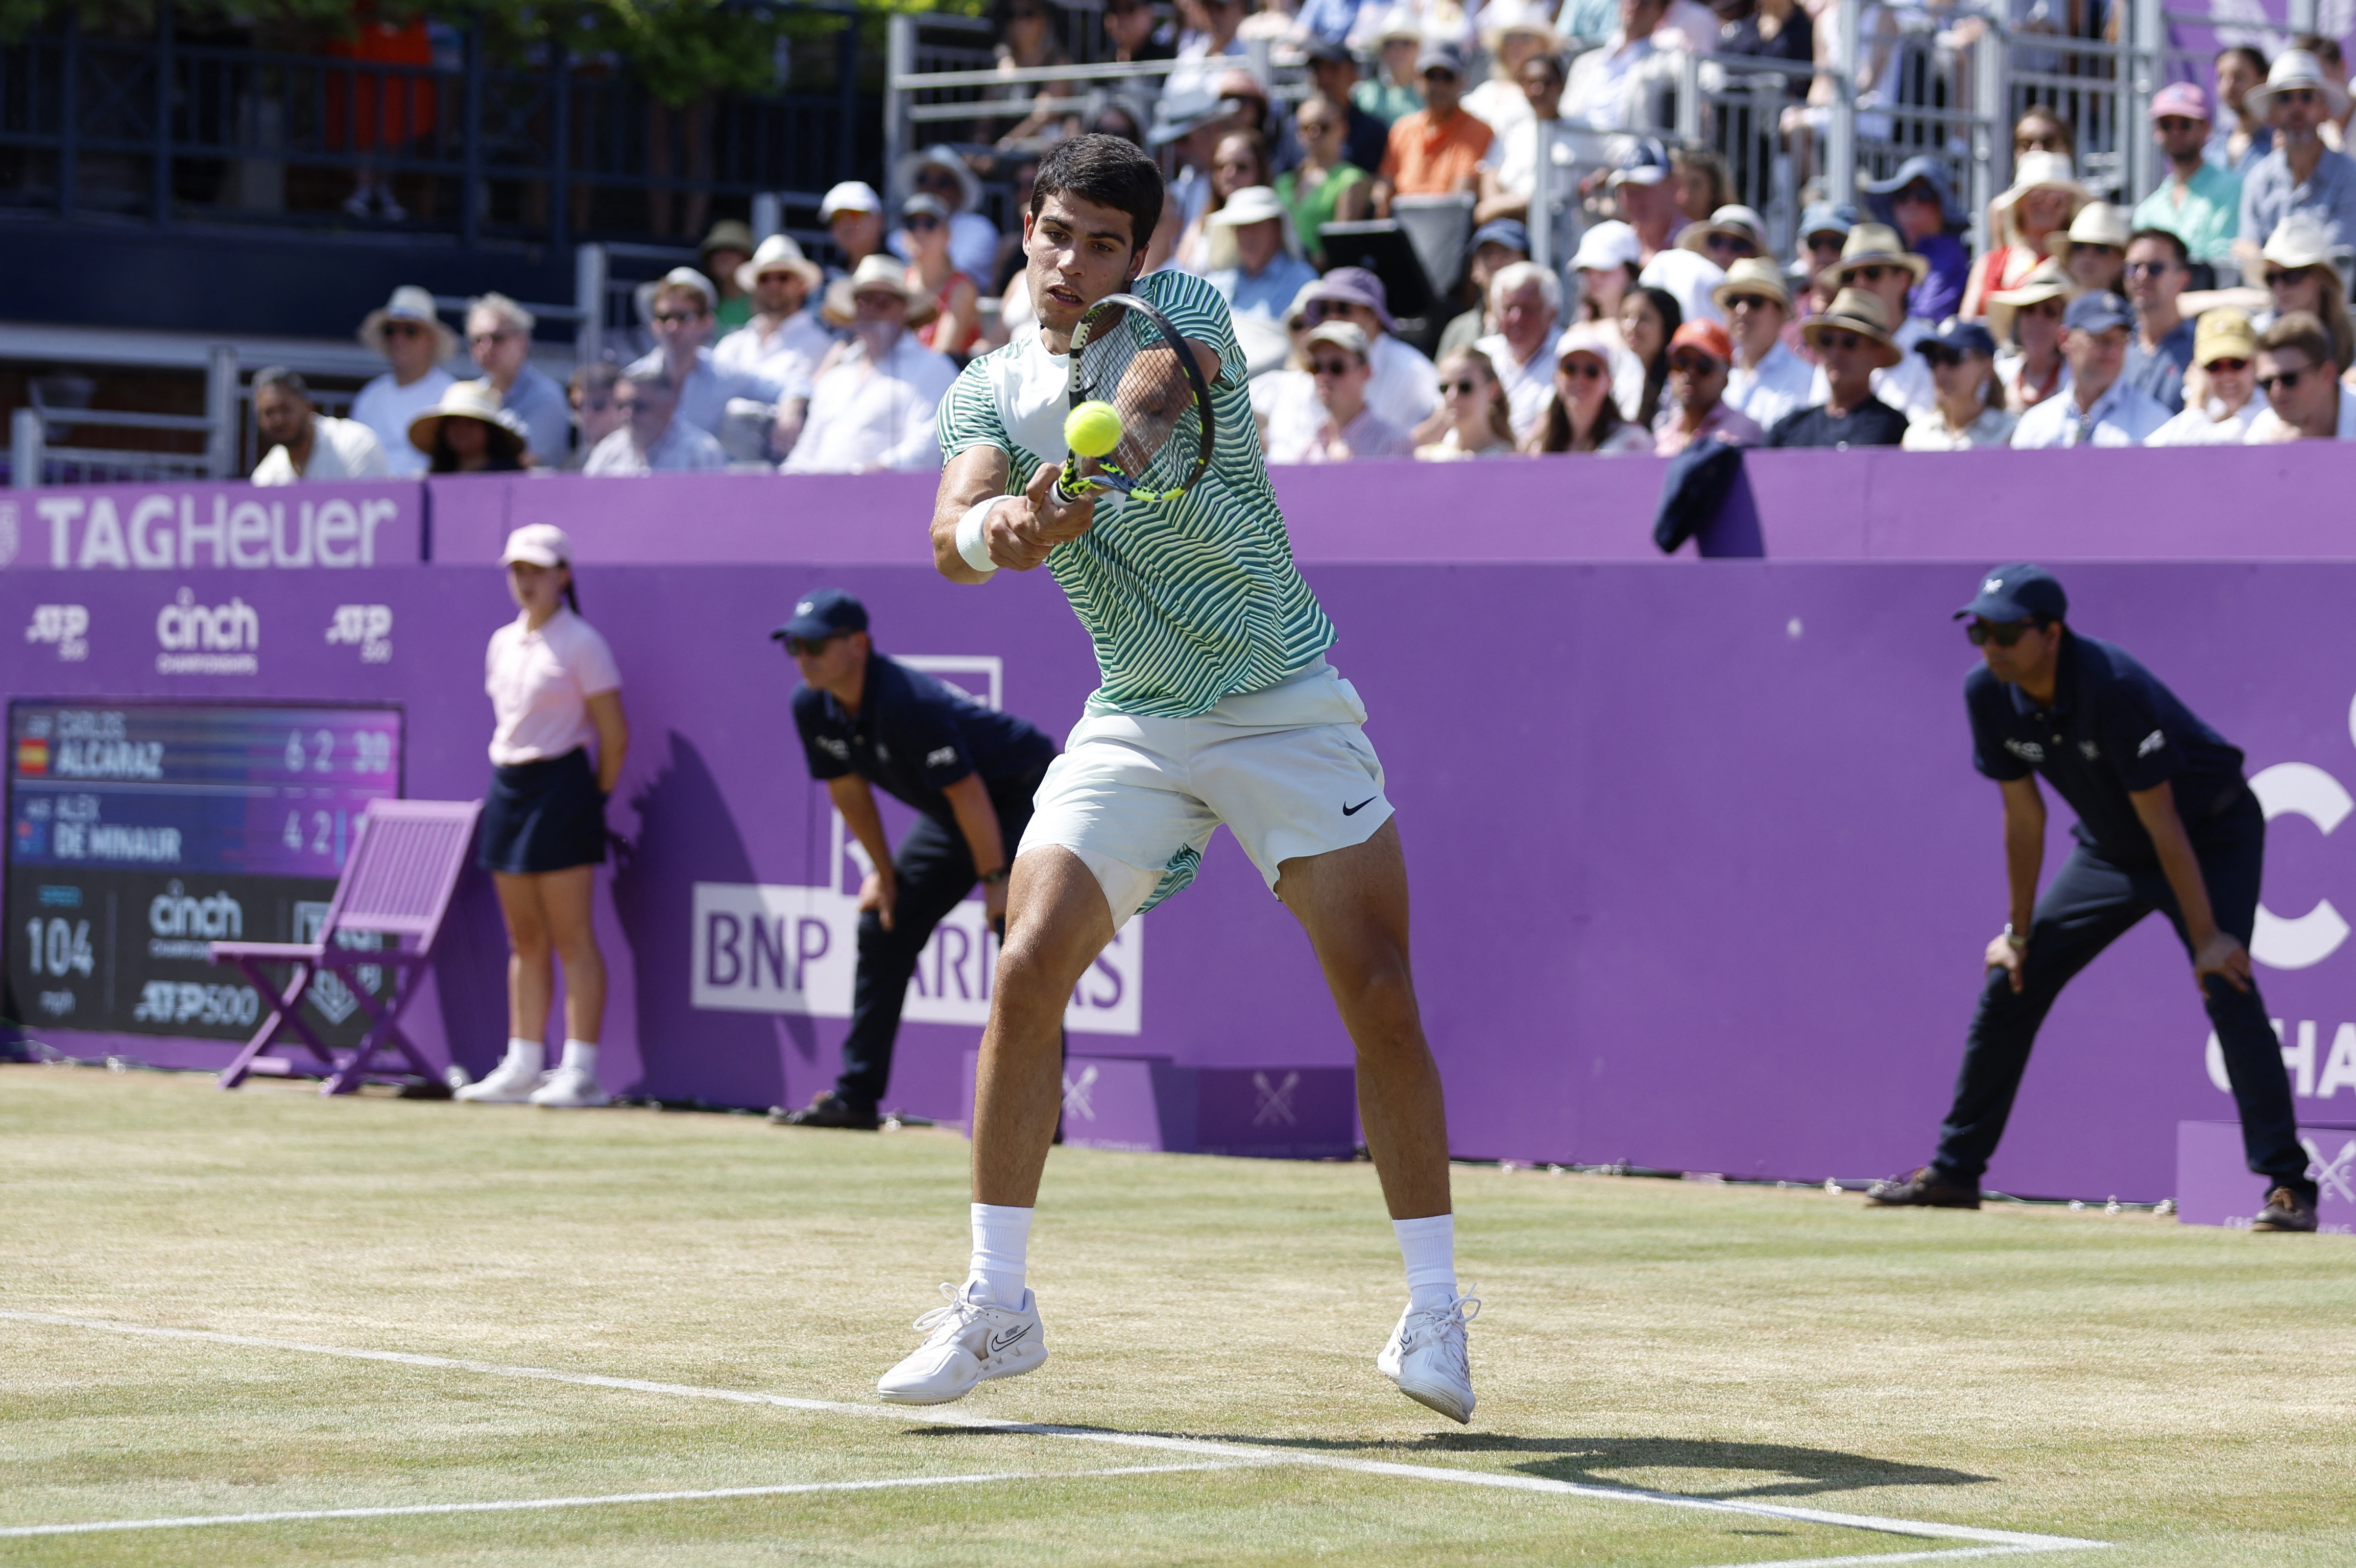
<point>1147,387</point>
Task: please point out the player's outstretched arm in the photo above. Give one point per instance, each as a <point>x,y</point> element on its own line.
<point>1018,530</point>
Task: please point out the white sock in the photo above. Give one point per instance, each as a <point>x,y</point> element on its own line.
<point>527,1055</point>
<point>1429,1245</point>
<point>1002,1235</point>
<point>582,1054</point>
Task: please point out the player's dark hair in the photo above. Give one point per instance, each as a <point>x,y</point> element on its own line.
<point>1108,171</point>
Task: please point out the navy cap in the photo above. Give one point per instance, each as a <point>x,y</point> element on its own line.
<point>1507,231</point>
<point>2098,312</point>
<point>1961,337</point>
<point>1645,161</point>
<point>1328,51</point>
<point>2017,592</point>
<point>1827,217</point>
<point>822,613</point>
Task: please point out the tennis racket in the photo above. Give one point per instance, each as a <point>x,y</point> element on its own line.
<point>1127,354</point>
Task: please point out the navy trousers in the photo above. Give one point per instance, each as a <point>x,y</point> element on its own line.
<point>2090,904</point>
<point>934,871</point>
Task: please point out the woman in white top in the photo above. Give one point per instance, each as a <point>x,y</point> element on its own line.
<point>1969,411</point>
<point>1479,422</point>
<point>2219,411</point>
<point>555,689</point>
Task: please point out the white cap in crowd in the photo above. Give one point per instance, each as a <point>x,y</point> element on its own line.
<point>850,195</point>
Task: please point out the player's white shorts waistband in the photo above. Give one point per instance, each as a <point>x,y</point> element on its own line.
<point>1288,769</point>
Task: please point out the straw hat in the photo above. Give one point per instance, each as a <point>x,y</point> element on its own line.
<point>778,253</point>
<point>728,234</point>
<point>409,303</point>
<point>469,401</point>
<point>1854,310</point>
<point>2046,280</point>
<point>2040,170</point>
<point>2302,241</point>
<point>941,156</point>
<point>2298,67</point>
<point>1538,20</point>
<point>1252,204</point>
<point>1734,220</point>
<point>878,272</point>
<point>2224,333</point>
<point>2097,223</point>
<point>1877,245</point>
<point>1753,275</point>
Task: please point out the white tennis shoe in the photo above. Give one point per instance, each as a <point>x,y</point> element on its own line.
<point>968,1341</point>
<point>510,1083</point>
<point>570,1089</point>
<point>1428,1358</point>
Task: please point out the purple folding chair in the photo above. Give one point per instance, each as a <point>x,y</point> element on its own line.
<point>404,865</point>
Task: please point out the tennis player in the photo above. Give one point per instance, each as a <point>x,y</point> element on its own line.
<point>1216,705</point>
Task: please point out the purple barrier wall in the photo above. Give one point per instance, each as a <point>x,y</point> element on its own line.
<point>2252,503</point>
<point>1702,873</point>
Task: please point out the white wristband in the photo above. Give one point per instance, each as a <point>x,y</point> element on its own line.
<point>972,535</point>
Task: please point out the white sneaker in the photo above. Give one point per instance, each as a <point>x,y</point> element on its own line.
<point>510,1084</point>
<point>1427,1357</point>
<point>971,1340</point>
<point>570,1089</point>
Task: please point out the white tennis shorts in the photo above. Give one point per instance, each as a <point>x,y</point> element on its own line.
<point>1289,770</point>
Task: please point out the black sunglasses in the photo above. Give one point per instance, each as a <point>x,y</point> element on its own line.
<point>1460,389</point>
<point>1940,359</point>
<point>2277,276</point>
<point>1695,365</point>
<point>923,223</point>
<point>2284,380</point>
<point>1331,366</point>
<point>2151,269</point>
<point>2230,366</point>
<point>2003,633</point>
<point>811,648</point>
<point>673,317</point>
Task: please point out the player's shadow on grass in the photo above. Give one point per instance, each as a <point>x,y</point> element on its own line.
<point>1784,1471</point>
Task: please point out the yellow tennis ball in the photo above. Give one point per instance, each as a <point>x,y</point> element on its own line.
<point>1092,429</point>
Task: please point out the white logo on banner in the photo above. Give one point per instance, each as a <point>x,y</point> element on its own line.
<point>164,532</point>
<point>2331,1175</point>
<point>197,639</point>
<point>1079,1097</point>
<point>62,626</point>
<point>368,627</point>
<point>1273,1102</point>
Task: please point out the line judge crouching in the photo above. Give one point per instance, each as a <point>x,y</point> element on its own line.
<point>554,691</point>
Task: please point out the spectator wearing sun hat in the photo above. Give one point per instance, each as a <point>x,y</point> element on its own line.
<point>1852,337</point>
<point>2226,350</point>
<point>2100,407</point>
<point>784,340</point>
<point>2093,250</point>
<point>939,173</point>
<point>2031,214</point>
<point>1407,385</point>
<point>853,216</point>
<point>1700,355</point>
<point>873,407</point>
<point>1918,202</point>
<point>1513,33</point>
<point>1875,261</point>
<point>1346,427</point>
<point>1970,412</point>
<point>410,334</point>
<point>1254,255</point>
<point>1765,379</point>
<point>470,432</point>
<point>2198,202</point>
<point>722,256</point>
<point>2301,177</point>
<point>1690,270</point>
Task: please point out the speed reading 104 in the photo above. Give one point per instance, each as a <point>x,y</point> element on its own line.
<point>324,752</point>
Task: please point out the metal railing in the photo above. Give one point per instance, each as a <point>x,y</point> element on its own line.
<point>165,130</point>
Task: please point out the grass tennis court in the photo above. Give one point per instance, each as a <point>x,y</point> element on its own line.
<point>2182,1394</point>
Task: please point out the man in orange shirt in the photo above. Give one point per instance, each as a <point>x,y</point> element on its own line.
<point>1437,149</point>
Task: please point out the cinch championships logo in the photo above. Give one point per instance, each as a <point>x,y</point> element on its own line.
<point>221,640</point>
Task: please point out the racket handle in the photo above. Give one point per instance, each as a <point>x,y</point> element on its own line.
<point>1071,486</point>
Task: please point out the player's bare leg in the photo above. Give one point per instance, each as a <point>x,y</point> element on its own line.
<point>1057,924</point>
<point>1353,905</point>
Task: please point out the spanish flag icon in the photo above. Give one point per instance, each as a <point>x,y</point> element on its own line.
<point>32,758</point>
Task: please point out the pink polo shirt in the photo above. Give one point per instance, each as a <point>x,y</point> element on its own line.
<point>541,683</point>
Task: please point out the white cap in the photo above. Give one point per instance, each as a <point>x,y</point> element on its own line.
<point>850,195</point>
<point>1607,245</point>
<point>537,544</point>
<point>1252,204</point>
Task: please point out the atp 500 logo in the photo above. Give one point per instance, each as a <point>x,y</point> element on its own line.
<point>65,627</point>
<point>368,627</point>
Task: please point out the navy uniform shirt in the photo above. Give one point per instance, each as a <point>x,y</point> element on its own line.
<point>2113,728</point>
<point>914,737</point>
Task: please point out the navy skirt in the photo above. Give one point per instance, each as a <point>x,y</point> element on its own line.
<point>544,816</point>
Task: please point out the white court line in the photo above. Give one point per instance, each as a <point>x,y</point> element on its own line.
<point>528,1504</point>
<point>1212,1448</point>
<point>1955,1555</point>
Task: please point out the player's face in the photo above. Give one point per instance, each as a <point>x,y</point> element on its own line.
<point>1079,252</point>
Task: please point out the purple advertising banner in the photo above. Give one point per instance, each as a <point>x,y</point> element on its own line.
<point>1702,871</point>
<point>185,527</point>
<point>2271,503</point>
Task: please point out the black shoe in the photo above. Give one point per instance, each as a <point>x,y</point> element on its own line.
<point>2286,1209</point>
<point>827,1111</point>
<point>1926,1189</point>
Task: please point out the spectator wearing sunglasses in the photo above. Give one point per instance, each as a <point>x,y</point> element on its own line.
<point>1692,269</point>
<point>651,437</point>
<point>681,305</point>
<point>414,342</point>
<point>1970,412</point>
<point>1918,202</point>
<point>2302,273</point>
<point>2156,270</point>
<point>2165,823</point>
<point>2198,202</point>
<point>1852,340</point>
<point>2031,216</point>
<point>498,335</point>
<point>1767,380</point>
<point>1479,421</point>
<point>2027,323</point>
<point>1406,386</point>
<point>2225,350</point>
<point>2094,250</point>
<point>1875,261</point>
<point>2100,408</point>
<point>1700,355</point>
<point>2301,376</point>
<point>1823,230</point>
<point>1345,428</point>
<point>2301,177</point>
<point>1437,150</point>
<point>949,301</point>
<point>1582,414</point>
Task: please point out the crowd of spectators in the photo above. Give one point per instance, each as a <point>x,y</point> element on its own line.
<point>2214,309</point>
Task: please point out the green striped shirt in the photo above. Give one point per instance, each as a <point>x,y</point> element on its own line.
<point>1186,601</point>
